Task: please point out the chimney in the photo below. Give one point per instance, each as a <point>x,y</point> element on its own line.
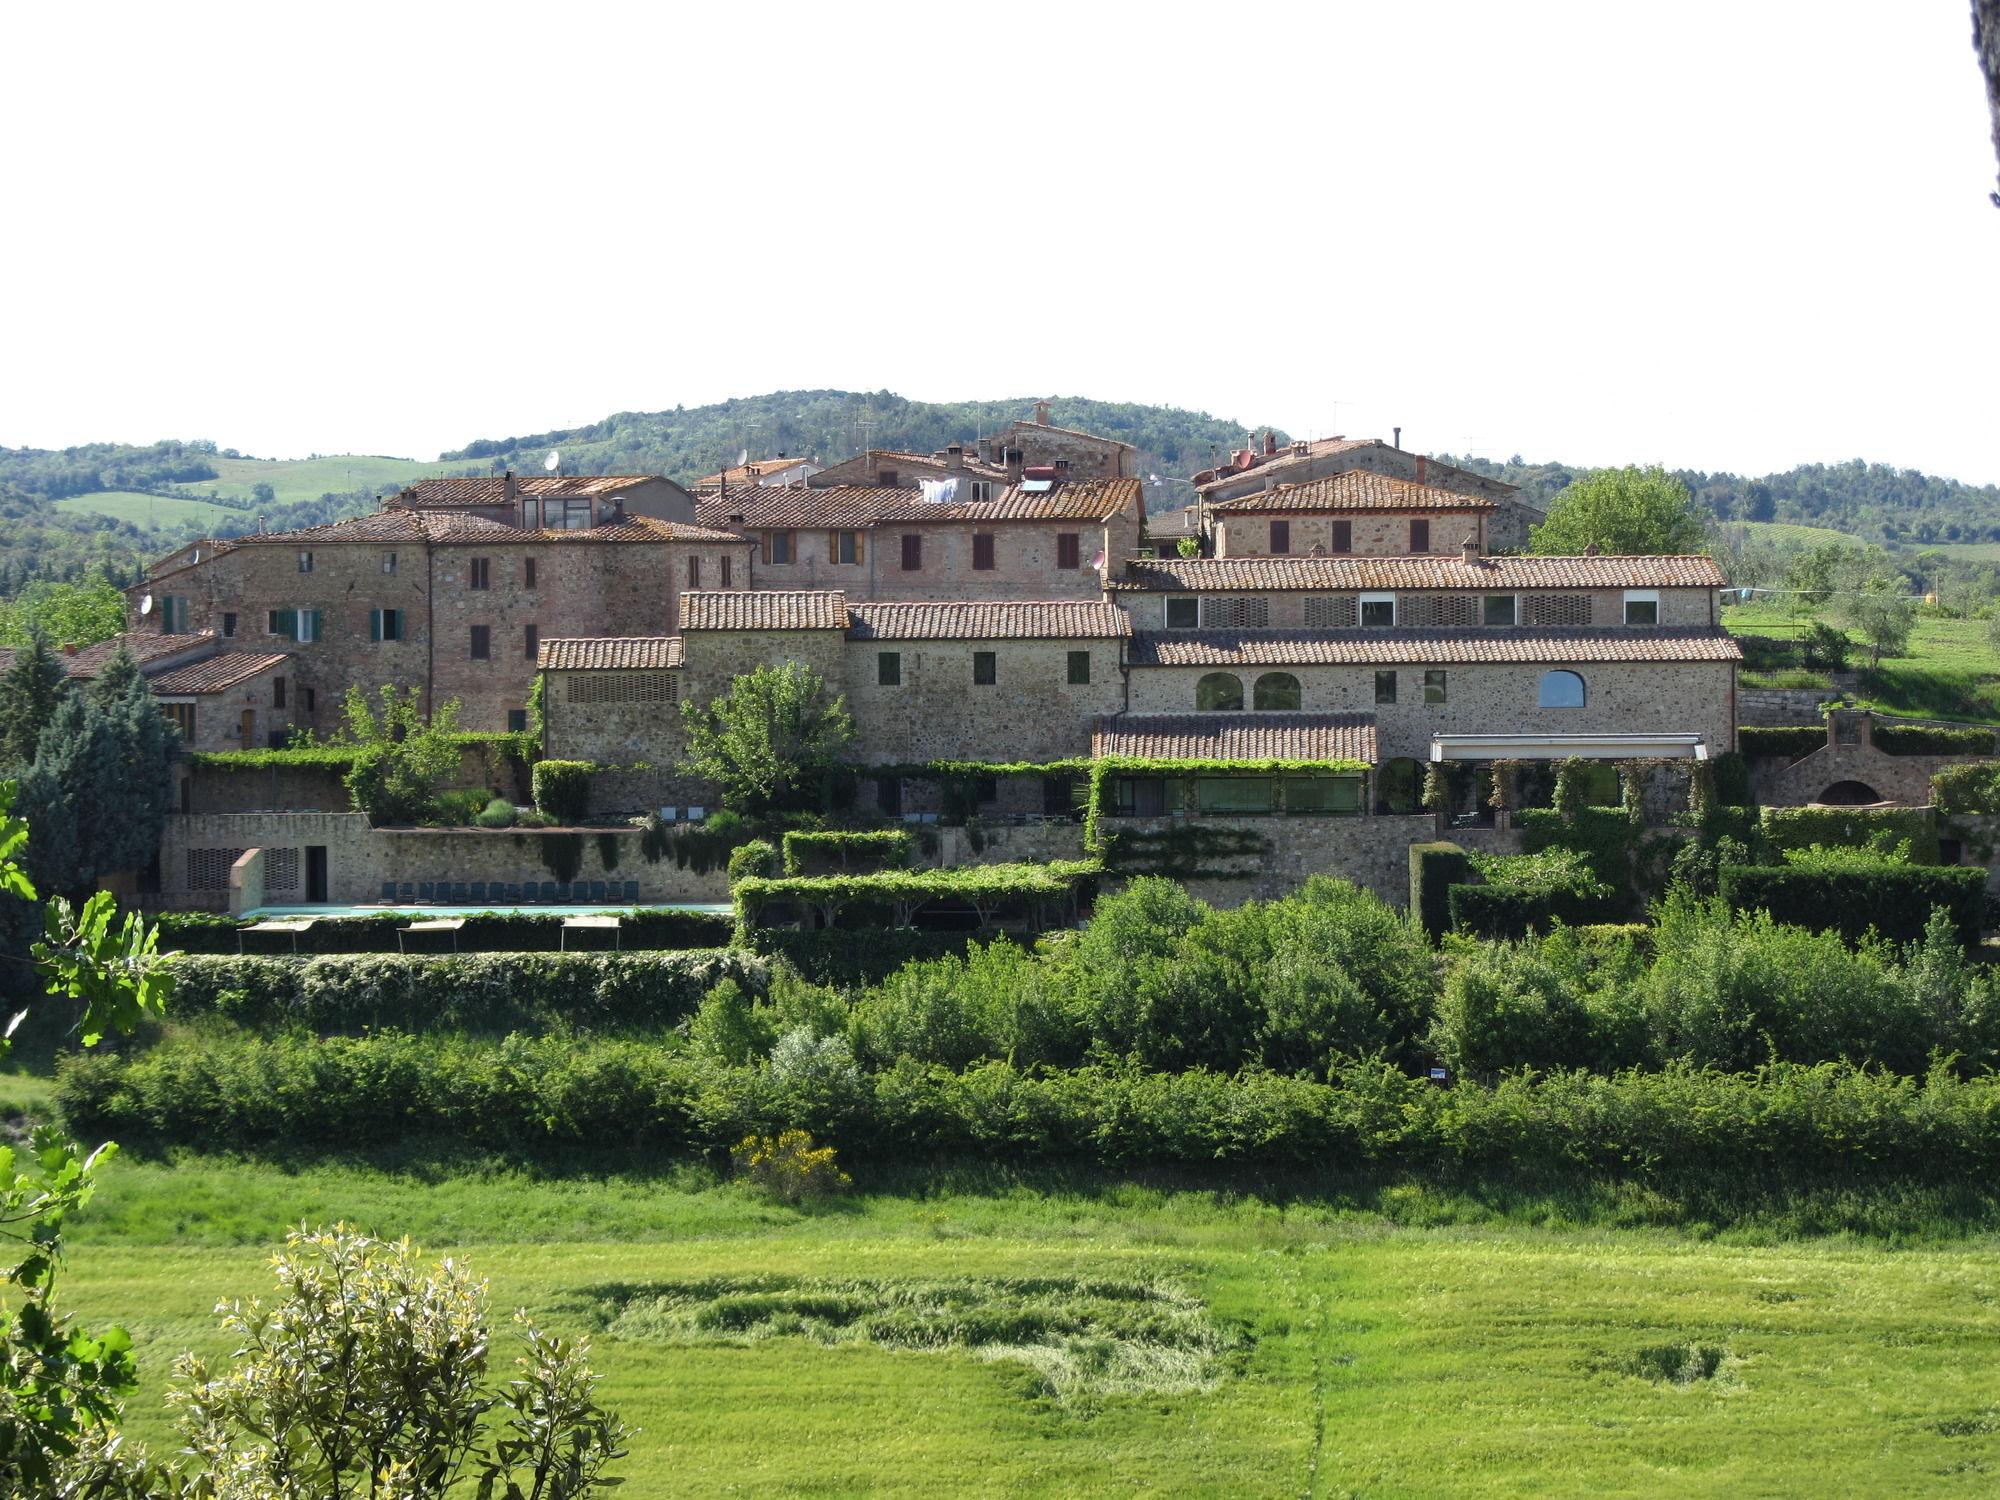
<point>1468,549</point>
<point>954,456</point>
<point>1013,465</point>
<point>1270,442</point>
<point>509,489</point>
<point>1270,483</point>
<point>984,448</point>
<point>69,648</point>
<point>1300,448</point>
<point>1397,440</point>
<point>1062,468</point>
<point>1423,468</point>
<point>1593,550</point>
<point>1041,413</point>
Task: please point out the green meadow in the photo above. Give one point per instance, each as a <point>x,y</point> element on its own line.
<point>994,1334</point>
<point>1950,670</point>
<point>145,510</point>
<point>296,479</point>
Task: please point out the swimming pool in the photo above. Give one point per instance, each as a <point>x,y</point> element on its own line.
<point>553,909</point>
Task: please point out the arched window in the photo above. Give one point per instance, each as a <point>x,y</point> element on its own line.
<point>1218,692</point>
<point>1275,690</point>
<point>1561,690</point>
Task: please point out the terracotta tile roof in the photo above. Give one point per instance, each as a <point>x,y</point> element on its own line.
<point>1236,736</point>
<point>215,674</point>
<point>1278,648</point>
<point>750,474</point>
<point>609,653</point>
<point>855,507</point>
<point>87,661</point>
<point>846,507</point>
<point>1069,500</point>
<point>1013,620</point>
<point>491,489</point>
<point>456,527</point>
<point>1355,489</point>
<point>1173,523</point>
<point>1213,574</point>
<point>1235,467</point>
<point>764,609</point>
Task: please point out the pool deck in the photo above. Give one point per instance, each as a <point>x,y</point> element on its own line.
<point>552,909</point>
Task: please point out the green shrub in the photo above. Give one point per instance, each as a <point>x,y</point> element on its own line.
<point>1434,869</point>
<point>562,789</point>
<point>850,956</point>
<point>996,1001</point>
<point>1967,790</point>
<point>1786,741</point>
<point>457,809</point>
<point>483,932</point>
<point>499,813</point>
<point>1894,902</point>
<point>1604,835</point>
<point>1798,827</point>
<point>1729,775</point>
<point>839,850</point>
<point>758,859</point>
<point>789,1167</point>
<point>1505,913</point>
<point>1928,739</point>
<point>731,1026</point>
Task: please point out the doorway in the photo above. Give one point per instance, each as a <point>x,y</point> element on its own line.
<point>247,729</point>
<point>316,875</point>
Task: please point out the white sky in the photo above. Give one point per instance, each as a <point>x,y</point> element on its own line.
<point>1737,235</point>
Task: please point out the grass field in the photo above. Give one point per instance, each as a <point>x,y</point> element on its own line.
<point>1400,1343</point>
<point>150,510</point>
<point>1951,671</point>
<point>1967,551</point>
<point>1786,533</point>
<point>294,480</point>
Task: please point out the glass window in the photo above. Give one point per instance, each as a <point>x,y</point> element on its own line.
<point>1642,606</point>
<point>228,624</point>
<point>1281,538</point>
<point>1561,690</point>
<point>985,669</point>
<point>1499,610</point>
<point>1385,687</point>
<point>889,669</point>
<point>913,551</point>
<point>388,562</point>
<point>1219,692</point>
<point>1236,794</point>
<point>889,796</point>
<point>481,574</point>
<point>846,547</point>
<point>1378,611</point>
<point>982,551</point>
<point>1079,668</point>
<point>1434,685</point>
<point>1276,691</point>
<point>481,644</point>
<point>694,572</point>
<point>1323,794</point>
<point>1343,536</point>
<point>305,562</point>
<point>1183,612</point>
<point>517,721</point>
<point>1140,796</point>
<point>777,546</point>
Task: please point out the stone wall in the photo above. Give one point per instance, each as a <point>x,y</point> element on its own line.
<point>1373,853</point>
<point>1030,712</point>
<point>235,789</point>
<point>1375,533</point>
<point>1782,706</point>
<point>1025,561</point>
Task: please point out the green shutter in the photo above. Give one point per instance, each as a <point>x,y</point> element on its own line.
<point>374,624</point>
<point>318,626</point>
<point>288,624</point>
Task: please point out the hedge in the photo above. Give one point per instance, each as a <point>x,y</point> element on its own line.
<point>1605,835</point>
<point>850,956</point>
<point>493,992</point>
<point>1492,911</point>
<point>243,1092</point>
<point>821,853</point>
<point>1894,900</point>
<point>1434,868</point>
<point>1792,741</point>
<point>1930,739</point>
<point>1967,789</point>
<point>893,897</point>
<point>562,789</point>
<point>1855,827</point>
<point>484,932</point>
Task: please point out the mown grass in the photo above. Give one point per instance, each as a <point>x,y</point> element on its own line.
<point>1382,1338</point>
<point>295,479</point>
<point>1949,672</point>
<point>149,510</point>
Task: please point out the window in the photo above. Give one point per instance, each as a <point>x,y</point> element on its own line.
<point>1236,794</point>
<point>694,572</point>
<point>778,547</point>
<point>887,478</point>
<point>982,551</point>
<point>305,562</point>
<point>527,572</point>
<point>1235,613</point>
<point>173,614</point>
<point>1560,690</point>
<point>531,641</point>
<point>482,573</point>
<point>889,796</point>
<point>986,789</point>
<point>277,692</point>
<point>1069,550</point>
<point>385,625</point>
<point>388,562</point>
<point>985,669</point>
<point>913,551</point>
<point>1434,686</point>
<point>1323,794</point>
<point>228,624</point>
<point>1420,535</point>
<point>889,668</point>
<point>843,547</point>
<point>725,570</point>
<point>1343,536</point>
<point>1498,610</point>
<point>1642,606</point>
<point>299,624</point>
<point>1141,796</point>
<point>1183,612</point>
<point>482,643</point>
<point>1219,692</point>
<point>1281,538</point>
<point>517,721</point>
<point>982,489</point>
<point>1378,611</point>
<point>1058,797</point>
<point>1330,612</point>
<point>1079,668</point>
<point>181,716</point>
<point>1276,692</point>
<point>1385,687</point>
<point>312,699</point>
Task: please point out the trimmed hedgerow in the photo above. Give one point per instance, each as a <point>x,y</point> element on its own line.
<point>1931,739</point>
<point>841,851</point>
<point>1504,912</point>
<point>851,956</point>
<point>562,789</point>
<point>1605,835</point>
<point>488,992</point>
<point>1790,741</point>
<point>1967,790</point>
<point>893,897</point>
<point>484,932</point>
<point>1894,901</point>
<point>1434,869</point>
<point>1852,827</point>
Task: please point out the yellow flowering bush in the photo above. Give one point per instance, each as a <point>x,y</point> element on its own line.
<point>789,1166</point>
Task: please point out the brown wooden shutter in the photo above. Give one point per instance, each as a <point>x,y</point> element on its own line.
<point>833,546</point>
<point>764,547</point>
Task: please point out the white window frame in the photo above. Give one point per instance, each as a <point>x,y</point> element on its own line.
<point>302,624</point>
<point>1361,610</point>
<point>1641,596</point>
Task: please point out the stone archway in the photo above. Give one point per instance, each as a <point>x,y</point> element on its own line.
<point>1849,794</point>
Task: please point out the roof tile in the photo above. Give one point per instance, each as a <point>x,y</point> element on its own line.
<point>448,492</point>
<point>764,609</point>
<point>1254,648</point>
<point>216,673</point>
<point>1212,574</point>
<point>628,653</point>
<point>1236,736</point>
<point>1012,620</point>
<point>856,506</point>
<point>1355,489</point>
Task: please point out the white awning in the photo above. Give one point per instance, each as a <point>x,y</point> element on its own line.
<point>1564,746</point>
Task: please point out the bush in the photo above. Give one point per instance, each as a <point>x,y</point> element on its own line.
<point>1787,741</point>
<point>814,853</point>
<point>1434,869</point>
<point>1824,647</point>
<point>789,1166</point>
<point>1967,790</point>
<point>1604,835</point>
<point>1799,827</point>
<point>1893,901</point>
<point>484,932</point>
<point>996,1001</point>
<point>562,789</point>
<point>457,808</point>
<point>499,813</point>
<point>1504,912</point>
<point>477,992</point>
<point>1928,739</point>
<point>758,859</point>
<point>850,956</point>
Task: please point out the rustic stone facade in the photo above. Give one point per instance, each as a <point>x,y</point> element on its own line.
<point>1372,533</point>
<point>1316,609</point>
<point>1031,711</point>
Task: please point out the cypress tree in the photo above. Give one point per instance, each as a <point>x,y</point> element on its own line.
<point>30,689</point>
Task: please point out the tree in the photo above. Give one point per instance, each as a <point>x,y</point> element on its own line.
<point>771,741</point>
<point>31,687</point>
<point>402,756</point>
<point>1628,511</point>
<point>71,614</point>
<point>1883,614</point>
<point>261,493</point>
<point>1993,632</point>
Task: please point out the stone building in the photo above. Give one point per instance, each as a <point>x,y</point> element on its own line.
<point>551,502</point>
<point>1024,444</point>
<point>1354,513</point>
<point>765,473</point>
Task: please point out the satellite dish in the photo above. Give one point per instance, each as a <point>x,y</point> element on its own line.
<point>146,605</point>
<point>743,458</point>
<point>553,461</point>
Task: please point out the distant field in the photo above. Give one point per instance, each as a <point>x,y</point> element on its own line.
<point>1787,534</point>
<point>297,479</point>
<point>1951,671</point>
<point>149,510</point>
<point>1968,551</point>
